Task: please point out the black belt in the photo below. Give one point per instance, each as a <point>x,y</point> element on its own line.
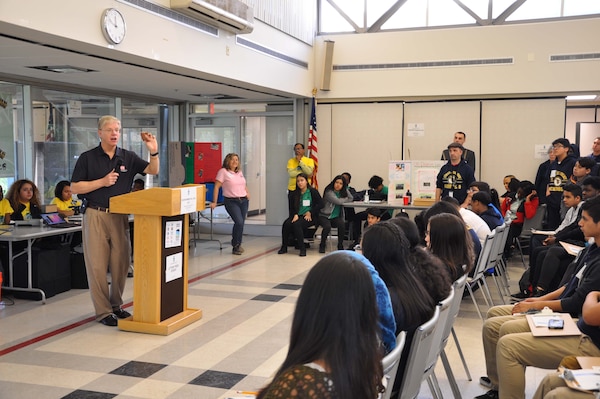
<point>236,198</point>
<point>99,208</point>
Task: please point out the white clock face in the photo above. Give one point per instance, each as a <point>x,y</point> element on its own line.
<point>113,26</point>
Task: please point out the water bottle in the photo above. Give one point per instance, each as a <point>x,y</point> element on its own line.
<point>367,197</point>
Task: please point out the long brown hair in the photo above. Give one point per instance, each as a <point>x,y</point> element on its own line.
<point>228,159</point>
<point>14,196</point>
<point>451,242</point>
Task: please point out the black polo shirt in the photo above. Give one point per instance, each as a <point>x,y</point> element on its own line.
<point>95,164</point>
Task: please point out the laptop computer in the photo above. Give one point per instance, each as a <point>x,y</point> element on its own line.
<point>54,220</point>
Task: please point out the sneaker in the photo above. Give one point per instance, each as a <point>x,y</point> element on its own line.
<point>236,250</point>
<point>485,381</point>
<point>110,320</point>
<point>121,314</point>
<point>491,394</point>
<point>322,248</point>
<point>282,250</point>
<point>240,249</point>
<point>302,252</point>
<point>520,295</point>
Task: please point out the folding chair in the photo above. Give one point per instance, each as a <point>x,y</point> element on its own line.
<point>437,345</point>
<point>390,365</point>
<point>414,371</point>
<point>534,223</point>
<point>459,287</point>
<point>479,274</point>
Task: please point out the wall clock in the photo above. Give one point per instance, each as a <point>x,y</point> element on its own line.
<point>113,25</point>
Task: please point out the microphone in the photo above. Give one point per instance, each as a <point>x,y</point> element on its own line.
<point>118,167</point>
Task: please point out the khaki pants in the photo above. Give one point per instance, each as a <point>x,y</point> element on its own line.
<point>510,347</point>
<point>554,387</point>
<point>106,248</point>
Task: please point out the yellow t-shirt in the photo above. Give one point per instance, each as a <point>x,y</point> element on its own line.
<point>64,205</point>
<point>5,208</point>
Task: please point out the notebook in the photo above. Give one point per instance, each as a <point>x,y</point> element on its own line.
<point>56,221</point>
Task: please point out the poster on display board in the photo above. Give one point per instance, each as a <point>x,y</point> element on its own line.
<point>418,177</point>
<point>7,141</point>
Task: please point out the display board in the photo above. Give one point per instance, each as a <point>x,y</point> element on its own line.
<point>418,177</point>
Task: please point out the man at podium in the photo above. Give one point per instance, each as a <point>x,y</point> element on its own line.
<point>99,174</point>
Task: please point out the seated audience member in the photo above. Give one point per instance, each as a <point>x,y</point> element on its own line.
<point>386,246</point>
<point>508,344</point>
<point>138,185</point>
<point>377,192</point>
<point>306,203</point>
<point>24,200</point>
<point>553,386</point>
<point>510,202</point>
<point>334,349</point>
<point>63,199</point>
<point>542,178</point>
<point>547,258</point>
<point>478,186</point>
<point>481,204</point>
<point>506,183</point>
<point>448,238</point>
<point>445,207</point>
<point>582,169</point>
<point>5,208</point>
<point>455,177</point>
<point>430,270</point>
<point>332,213</point>
<point>528,204</point>
<point>471,219</point>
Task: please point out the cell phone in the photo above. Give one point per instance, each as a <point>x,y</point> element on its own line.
<point>556,324</point>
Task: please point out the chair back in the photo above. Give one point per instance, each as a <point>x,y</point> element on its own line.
<point>500,236</point>
<point>459,288</point>
<point>484,256</point>
<point>414,371</point>
<point>535,222</point>
<point>390,362</point>
<point>438,336</point>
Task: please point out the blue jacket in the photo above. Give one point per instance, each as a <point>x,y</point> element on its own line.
<point>384,304</point>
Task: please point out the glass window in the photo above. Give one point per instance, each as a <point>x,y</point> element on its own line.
<point>64,125</point>
<point>580,7</point>
<point>413,14</point>
<point>11,131</point>
<point>536,9</point>
<point>332,21</point>
<point>140,117</point>
<point>447,12</point>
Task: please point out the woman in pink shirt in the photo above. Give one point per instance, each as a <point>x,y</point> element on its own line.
<point>235,194</point>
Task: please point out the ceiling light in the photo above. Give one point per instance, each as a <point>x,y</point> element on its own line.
<point>585,97</point>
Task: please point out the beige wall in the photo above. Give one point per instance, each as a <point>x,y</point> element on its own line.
<point>529,44</point>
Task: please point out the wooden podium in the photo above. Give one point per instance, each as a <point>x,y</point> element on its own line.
<point>160,282</point>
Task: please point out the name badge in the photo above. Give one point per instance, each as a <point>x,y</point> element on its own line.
<point>305,202</point>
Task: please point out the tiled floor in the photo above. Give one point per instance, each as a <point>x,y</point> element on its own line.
<point>56,350</point>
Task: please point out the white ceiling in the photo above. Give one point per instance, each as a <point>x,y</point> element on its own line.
<point>115,77</point>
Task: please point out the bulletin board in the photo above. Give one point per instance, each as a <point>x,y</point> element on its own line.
<point>417,176</point>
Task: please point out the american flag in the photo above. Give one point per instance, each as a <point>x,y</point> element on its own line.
<point>312,142</point>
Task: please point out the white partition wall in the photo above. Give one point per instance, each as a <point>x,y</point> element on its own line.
<point>440,120</point>
<point>364,138</point>
<point>510,130</point>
